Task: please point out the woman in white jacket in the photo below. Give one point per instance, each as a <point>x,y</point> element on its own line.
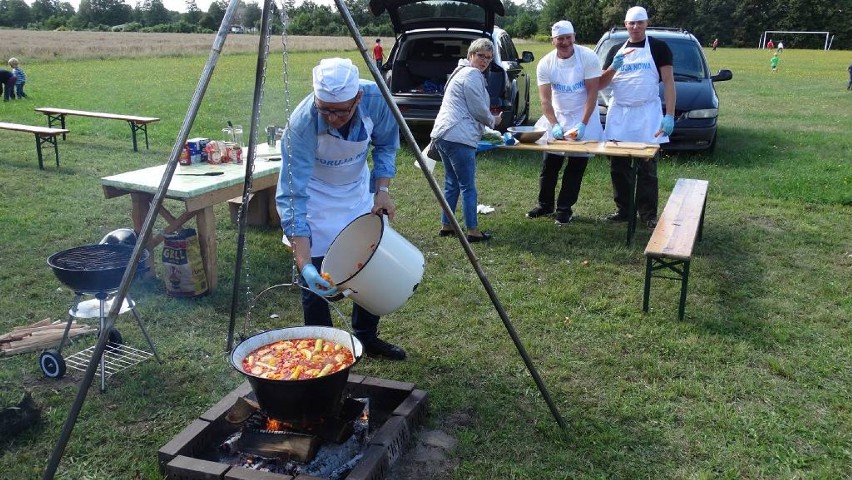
<point>464,114</point>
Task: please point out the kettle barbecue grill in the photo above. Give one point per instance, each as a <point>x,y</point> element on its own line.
<point>96,270</point>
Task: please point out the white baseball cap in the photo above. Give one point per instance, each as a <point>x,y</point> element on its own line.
<point>335,80</point>
<point>636,14</point>
<point>562,27</point>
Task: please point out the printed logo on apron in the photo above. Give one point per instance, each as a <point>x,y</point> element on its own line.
<point>568,93</point>
<point>636,110</point>
<point>339,189</point>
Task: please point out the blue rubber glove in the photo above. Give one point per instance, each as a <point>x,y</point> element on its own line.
<point>316,283</point>
<point>667,125</point>
<point>617,61</point>
<point>557,132</point>
<point>581,130</point>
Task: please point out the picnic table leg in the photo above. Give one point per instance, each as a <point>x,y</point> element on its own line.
<point>646,297</point>
<point>52,139</point>
<point>684,279</point>
<point>38,149</point>
<point>51,119</point>
<point>631,203</point>
<point>144,128</point>
<point>140,204</point>
<point>206,222</point>
<point>133,131</point>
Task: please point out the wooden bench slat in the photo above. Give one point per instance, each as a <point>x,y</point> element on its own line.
<point>83,113</point>
<point>18,127</point>
<point>677,228</point>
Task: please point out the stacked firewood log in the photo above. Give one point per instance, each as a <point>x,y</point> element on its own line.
<point>39,336</point>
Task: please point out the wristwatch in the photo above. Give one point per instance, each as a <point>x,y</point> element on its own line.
<point>384,189</point>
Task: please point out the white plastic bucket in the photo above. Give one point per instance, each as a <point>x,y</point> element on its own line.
<point>374,265</point>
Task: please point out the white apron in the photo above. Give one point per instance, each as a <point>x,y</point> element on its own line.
<point>636,110</point>
<point>339,189</point>
<point>568,95</point>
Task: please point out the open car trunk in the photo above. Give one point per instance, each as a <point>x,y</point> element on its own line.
<point>417,74</point>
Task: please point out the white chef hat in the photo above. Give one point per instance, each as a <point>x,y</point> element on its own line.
<point>335,80</point>
<point>562,27</point>
<point>636,14</point>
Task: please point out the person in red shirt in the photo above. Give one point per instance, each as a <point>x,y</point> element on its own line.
<point>378,53</point>
<point>770,45</point>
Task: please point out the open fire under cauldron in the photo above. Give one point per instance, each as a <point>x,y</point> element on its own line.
<point>298,401</point>
<point>93,268</point>
<point>217,444</point>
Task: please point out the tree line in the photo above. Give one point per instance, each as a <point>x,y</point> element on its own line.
<point>735,23</point>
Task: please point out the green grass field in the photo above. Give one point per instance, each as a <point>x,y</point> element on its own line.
<point>754,383</point>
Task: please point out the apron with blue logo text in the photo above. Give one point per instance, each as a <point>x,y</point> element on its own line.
<point>339,190</point>
<point>636,110</point>
<point>568,93</point>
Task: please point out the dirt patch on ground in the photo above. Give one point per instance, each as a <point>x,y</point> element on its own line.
<point>431,454</point>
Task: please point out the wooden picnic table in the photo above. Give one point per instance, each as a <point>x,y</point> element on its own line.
<point>199,195</point>
<point>630,151</point>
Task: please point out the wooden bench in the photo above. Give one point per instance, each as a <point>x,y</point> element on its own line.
<point>42,135</point>
<point>678,228</point>
<point>57,115</point>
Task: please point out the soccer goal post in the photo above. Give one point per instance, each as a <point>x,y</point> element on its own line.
<point>767,36</point>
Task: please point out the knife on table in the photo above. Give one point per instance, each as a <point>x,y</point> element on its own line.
<point>205,174</point>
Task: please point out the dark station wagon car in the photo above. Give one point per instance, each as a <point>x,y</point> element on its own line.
<point>697,105</point>
<point>431,37</point>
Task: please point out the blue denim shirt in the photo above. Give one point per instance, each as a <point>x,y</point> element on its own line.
<point>305,126</point>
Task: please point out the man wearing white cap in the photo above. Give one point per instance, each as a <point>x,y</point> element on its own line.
<point>325,181</point>
<point>568,79</point>
<point>636,114</point>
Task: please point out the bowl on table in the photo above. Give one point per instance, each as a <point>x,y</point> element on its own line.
<point>526,134</point>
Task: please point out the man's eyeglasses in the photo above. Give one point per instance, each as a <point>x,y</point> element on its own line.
<point>334,113</point>
<point>484,56</point>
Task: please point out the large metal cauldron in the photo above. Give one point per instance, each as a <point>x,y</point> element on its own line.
<point>93,268</point>
<point>298,401</point>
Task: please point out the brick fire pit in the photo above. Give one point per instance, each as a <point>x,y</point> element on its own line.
<point>396,409</point>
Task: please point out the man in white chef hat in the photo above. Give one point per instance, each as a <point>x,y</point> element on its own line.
<point>325,182</point>
<point>635,70</point>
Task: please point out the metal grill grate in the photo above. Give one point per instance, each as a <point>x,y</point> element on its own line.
<point>90,258</point>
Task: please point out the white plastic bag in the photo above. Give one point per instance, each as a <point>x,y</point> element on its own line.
<point>430,156</point>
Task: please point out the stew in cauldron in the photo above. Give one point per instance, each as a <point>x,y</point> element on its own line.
<point>298,359</point>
